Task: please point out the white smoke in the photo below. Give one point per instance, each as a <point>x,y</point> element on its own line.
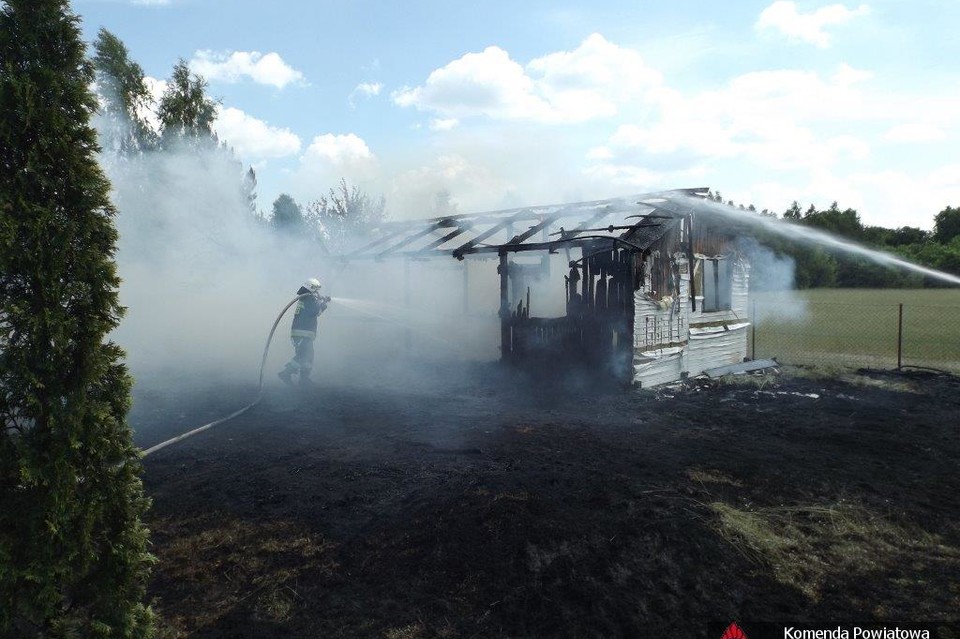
<point>772,284</point>
<point>203,281</point>
<point>200,275</point>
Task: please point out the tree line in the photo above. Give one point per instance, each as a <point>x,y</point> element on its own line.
<point>331,220</point>
<point>816,267</point>
<point>185,114</point>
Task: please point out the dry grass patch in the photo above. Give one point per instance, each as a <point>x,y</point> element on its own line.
<point>819,372</point>
<point>849,375</point>
<point>891,384</point>
<point>705,476</point>
<point>231,562</point>
<point>413,631</point>
<point>804,545</point>
<point>750,380</point>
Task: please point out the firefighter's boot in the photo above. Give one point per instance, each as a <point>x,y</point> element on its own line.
<point>286,376</point>
<point>305,378</point>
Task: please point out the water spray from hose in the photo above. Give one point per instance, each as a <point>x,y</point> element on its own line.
<point>808,235</point>
<point>391,315</point>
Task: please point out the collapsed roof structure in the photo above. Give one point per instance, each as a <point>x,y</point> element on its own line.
<point>657,291</point>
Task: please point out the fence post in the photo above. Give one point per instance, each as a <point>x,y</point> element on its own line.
<point>900,338</point>
<point>753,332</point>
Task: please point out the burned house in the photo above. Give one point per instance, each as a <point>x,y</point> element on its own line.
<point>653,287</point>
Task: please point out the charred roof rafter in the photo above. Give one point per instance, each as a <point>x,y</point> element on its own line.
<point>476,229</point>
<point>460,229</point>
<point>408,240</point>
<point>493,230</point>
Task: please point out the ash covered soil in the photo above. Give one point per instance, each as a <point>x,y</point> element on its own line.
<point>474,502</point>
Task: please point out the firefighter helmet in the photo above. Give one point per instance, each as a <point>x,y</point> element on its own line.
<point>312,285</point>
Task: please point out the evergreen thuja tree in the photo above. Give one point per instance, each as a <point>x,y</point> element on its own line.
<point>73,550</point>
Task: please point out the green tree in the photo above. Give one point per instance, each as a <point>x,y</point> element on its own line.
<point>122,86</point>
<point>186,113</point>
<point>793,213</point>
<point>908,235</point>
<point>876,236</point>
<point>287,216</point>
<point>347,213</point>
<point>73,550</point>
<point>943,257</point>
<point>946,225</point>
<point>815,268</point>
<point>845,223</point>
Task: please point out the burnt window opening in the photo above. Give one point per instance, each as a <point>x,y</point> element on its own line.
<point>717,285</point>
<point>664,276</point>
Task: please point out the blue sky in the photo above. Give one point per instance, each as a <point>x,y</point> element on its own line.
<point>503,104</point>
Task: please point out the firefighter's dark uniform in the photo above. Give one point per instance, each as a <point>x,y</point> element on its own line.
<point>303,332</point>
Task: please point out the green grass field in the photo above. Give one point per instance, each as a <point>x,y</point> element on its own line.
<point>858,327</point>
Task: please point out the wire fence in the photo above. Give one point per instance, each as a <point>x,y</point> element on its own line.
<point>856,335</point>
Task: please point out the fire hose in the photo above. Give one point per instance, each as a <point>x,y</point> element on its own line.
<point>263,361</point>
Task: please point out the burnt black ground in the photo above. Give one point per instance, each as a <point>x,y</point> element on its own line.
<point>474,502</point>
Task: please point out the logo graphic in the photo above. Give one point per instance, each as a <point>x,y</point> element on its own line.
<point>733,631</point>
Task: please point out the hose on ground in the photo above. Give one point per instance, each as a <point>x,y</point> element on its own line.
<point>263,362</point>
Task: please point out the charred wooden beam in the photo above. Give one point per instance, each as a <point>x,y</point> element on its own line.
<point>406,241</point>
<point>504,271</point>
<point>547,221</point>
<point>582,240</point>
<point>523,214</point>
<point>563,233</point>
<point>461,250</point>
<point>428,249</point>
<point>608,229</point>
<point>374,244</point>
<point>466,288</point>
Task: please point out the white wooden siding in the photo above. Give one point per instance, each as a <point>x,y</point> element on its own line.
<point>716,346</point>
<point>668,343</point>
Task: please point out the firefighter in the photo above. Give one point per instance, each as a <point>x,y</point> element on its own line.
<point>303,331</point>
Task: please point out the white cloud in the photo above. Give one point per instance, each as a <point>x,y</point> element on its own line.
<point>234,66</point>
<point>764,137</point>
<point>339,149</point>
<point>896,198</point>
<point>474,186</point>
<point>254,139</point>
<point>594,80</point>
<point>445,124</point>
<point>915,132</point>
<point>947,177</point>
<point>364,90</point>
<point>600,153</point>
<point>487,83</point>
<point>783,16</point>
<point>330,157</point>
<point>368,89</point>
<point>636,178</point>
<point>770,118</point>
